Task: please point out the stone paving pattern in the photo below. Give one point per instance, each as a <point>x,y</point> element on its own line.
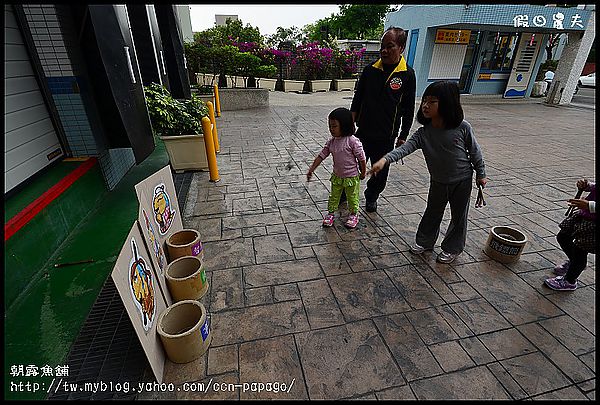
<point>352,313</point>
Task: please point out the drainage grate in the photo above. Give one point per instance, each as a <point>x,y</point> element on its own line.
<point>107,350</point>
<point>182,183</point>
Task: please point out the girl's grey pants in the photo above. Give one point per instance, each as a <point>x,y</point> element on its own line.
<point>458,195</point>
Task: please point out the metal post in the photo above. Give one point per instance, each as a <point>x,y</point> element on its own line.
<point>215,134</point>
<point>555,85</point>
<point>210,150</point>
<point>217,101</point>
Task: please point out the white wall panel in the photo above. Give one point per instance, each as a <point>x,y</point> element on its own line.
<point>22,101</point>
<point>15,176</point>
<point>29,150</point>
<point>447,61</point>
<point>26,134</point>
<point>29,135</point>
<point>17,68</point>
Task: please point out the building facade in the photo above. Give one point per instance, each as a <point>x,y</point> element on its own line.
<point>221,19</point>
<point>185,22</point>
<point>486,49</point>
<point>74,77</point>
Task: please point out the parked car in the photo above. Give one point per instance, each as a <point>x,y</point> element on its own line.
<point>587,81</point>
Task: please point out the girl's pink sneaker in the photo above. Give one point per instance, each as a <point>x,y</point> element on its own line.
<point>352,221</point>
<point>328,220</point>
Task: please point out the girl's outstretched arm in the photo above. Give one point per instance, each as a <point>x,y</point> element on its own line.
<point>312,167</point>
<point>377,166</point>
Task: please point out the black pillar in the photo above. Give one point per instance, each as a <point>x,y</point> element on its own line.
<point>109,55</point>
<point>144,43</point>
<point>172,42</point>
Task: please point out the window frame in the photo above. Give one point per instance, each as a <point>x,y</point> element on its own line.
<point>498,53</point>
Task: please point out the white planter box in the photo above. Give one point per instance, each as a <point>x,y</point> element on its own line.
<point>344,84</point>
<point>211,79</point>
<point>186,152</point>
<point>319,85</point>
<point>268,84</point>
<point>240,81</point>
<point>293,85</point>
<point>539,89</point>
<point>235,81</point>
<point>206,79</point>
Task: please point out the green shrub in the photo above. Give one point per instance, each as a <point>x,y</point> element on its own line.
<point>266,71</point>
<point>170,116</point>
<point>246,65</point>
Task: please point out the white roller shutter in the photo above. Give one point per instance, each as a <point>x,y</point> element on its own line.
<point>447,61</point>
<point>30,140</point>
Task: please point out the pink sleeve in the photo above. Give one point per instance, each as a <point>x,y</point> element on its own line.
<point>325,152</point>
<point>357,147</point>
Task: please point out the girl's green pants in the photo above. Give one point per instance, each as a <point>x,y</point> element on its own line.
<point>351,185</point>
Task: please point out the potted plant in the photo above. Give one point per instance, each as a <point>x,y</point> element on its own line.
<point>346,63</point>
<point>284,59</point>
<point>201,61</point>
<point>204,92</point>
<point>178,124</point>
<point>246,65</point>
<point>266,77</point>
<point>223,57</point>
<point>315,64</point>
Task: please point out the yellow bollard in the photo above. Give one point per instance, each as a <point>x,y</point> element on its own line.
<point>217,102</point>
<point>215,134</point>
<point>210,150</point>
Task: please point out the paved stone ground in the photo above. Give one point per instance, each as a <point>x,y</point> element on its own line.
<point>353,314</point>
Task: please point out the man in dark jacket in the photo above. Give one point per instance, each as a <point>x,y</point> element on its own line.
<point>384,100</point>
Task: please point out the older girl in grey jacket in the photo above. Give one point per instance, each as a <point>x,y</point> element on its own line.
<point>451,154</point>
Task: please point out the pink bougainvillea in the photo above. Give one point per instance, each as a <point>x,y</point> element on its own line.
<point>347,61</point>
<point>315,62</point>
<point>251,47</point>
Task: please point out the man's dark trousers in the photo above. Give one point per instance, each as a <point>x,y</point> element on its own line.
<point>375,150</point>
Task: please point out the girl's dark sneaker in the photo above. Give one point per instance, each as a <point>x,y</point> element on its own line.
<point>560,284</point>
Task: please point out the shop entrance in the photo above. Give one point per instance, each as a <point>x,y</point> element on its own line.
<point>466,73</point>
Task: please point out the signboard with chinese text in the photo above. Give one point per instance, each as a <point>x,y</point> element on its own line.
<point>559,21</point>
<point>452,36</point>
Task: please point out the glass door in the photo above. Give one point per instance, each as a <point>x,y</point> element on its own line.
<point>466,73</point>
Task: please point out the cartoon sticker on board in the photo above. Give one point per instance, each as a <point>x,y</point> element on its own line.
<point>142,287</point>
<point>158,250</point>
<point>163,212</point>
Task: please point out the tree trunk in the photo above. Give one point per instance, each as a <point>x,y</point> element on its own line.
<point>222,80</point>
